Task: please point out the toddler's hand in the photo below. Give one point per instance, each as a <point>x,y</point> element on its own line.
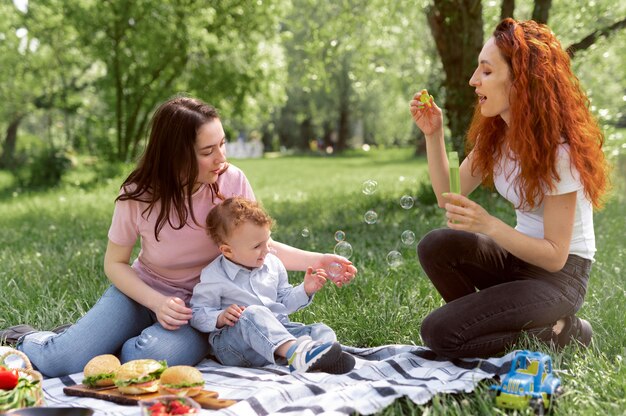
<point>230,316</point>
<point>347,273</point>
<point>314,280</point>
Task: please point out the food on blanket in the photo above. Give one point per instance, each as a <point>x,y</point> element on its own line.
<point>181,380</point>
<point>169,405</point>
<point>100,370</point>
<point>139,376</point>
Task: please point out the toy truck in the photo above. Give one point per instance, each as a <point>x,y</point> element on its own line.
<point>529,382</point>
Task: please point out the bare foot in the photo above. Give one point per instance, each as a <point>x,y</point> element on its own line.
<point>558,327</point>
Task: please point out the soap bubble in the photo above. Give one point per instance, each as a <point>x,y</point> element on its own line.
<point>408,237</point>
<point>334,270</point>
<point>371,217</point>
<point>340,235</point>
<point>305,232</point>
<point>394,258</point>
<point>406,202</point>
<point>343,249</point>
<point>370,186</point>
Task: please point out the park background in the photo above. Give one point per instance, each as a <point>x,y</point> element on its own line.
<point>323,88</point>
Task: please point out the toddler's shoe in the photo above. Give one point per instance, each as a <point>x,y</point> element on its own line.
<point>307,355</point>
<point>343,365</point>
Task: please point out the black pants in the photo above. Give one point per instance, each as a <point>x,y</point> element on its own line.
<point>492,296</point>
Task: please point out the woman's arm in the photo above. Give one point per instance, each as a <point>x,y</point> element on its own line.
<point>296,259</point>
<point>429,119</point>
<point>171,311</point>
<point>549,252</point>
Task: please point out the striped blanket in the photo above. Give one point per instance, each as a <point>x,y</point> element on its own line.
<point>382,375</point>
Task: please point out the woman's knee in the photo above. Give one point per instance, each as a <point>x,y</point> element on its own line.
<point>439,335</point>
<point>433,243</point>
<point>184,346</point>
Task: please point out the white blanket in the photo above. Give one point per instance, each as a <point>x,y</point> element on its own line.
<point>382,375</point>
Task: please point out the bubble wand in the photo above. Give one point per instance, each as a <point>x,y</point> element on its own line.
<point>455,177</point>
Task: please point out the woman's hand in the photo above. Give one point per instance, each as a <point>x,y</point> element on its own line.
<point>466,215</point>
<point>429,118</point>
<point>347,273</point>
<point>314,280</point>
<point>230,316</point>
<point>172,313</point>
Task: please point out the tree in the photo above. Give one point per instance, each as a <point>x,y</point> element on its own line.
<point>35,74</point>
<point>352,63</point>
<point>457,28</point>
<point>149,50</point>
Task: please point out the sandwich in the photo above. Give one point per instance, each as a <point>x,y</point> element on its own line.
<point>100,370</point>
<point>139,376</point>
<point>181,380</point>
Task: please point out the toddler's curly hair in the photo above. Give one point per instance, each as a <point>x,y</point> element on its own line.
<point>224,219</point>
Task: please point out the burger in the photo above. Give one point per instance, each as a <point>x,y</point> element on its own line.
<point>139,376</point>
<point>181,380</point>
<point>100,370</point>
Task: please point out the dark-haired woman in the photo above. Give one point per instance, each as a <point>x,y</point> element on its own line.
<point>145,313</point>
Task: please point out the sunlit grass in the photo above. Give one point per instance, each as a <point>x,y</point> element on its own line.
<point>53,242</point>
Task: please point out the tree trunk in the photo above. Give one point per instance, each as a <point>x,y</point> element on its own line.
<point>541,11</point>
<point>344,87</point>
<point>344,126</point>
<point>507,9</point>
<point>457,27</point>
<point>7,160</point>
<point>328,134</point>
<point>306,133</point>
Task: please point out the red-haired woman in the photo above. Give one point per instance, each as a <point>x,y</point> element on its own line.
<point>533,137</point>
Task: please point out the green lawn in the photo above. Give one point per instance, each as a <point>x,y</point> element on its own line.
<point>52,245</point>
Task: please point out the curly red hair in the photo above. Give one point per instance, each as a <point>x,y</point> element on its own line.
<point>548,107</point>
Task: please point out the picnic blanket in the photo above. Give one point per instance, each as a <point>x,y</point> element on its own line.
<point>382,375</point>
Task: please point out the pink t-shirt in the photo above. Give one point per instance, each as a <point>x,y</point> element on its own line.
<point>173,264</point>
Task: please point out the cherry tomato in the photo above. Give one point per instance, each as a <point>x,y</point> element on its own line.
<point>8,379</point>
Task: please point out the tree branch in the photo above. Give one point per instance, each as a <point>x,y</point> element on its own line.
<point>590,39</point>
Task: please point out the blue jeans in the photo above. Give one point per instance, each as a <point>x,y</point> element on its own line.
<point>492,297</point>
<point>115,325</point>
<point>252,341</point>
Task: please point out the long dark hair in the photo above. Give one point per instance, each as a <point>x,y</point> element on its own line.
<point>167,170</point>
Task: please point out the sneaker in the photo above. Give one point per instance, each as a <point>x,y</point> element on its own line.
<point>576,330</point>
<point>12,334</point>
<point>307,355</point>
<point>343,365</point>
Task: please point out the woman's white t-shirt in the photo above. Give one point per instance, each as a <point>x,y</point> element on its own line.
<point>530,222</point>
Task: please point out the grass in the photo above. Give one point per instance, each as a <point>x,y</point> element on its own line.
<point>53,244</point>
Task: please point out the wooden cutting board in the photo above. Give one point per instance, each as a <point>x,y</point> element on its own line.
<point>207,399</point>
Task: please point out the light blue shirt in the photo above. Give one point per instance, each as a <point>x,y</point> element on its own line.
<point>223,283</point>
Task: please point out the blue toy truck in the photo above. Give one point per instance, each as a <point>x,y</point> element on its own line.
<point>529,382</point>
